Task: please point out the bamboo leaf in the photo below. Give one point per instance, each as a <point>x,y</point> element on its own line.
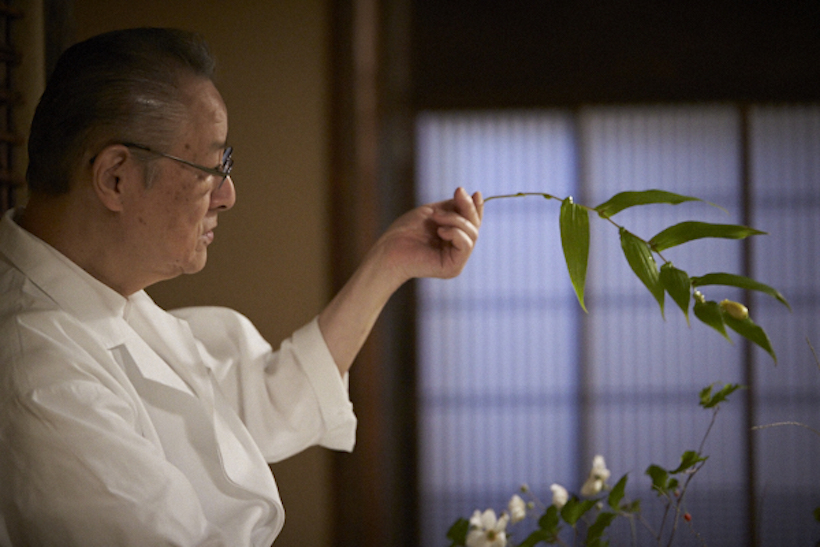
<point>752,332</point>
<point>624,200</point>
<point>639,257</point>
<point>742,282</point>
<point>691,230</point>
<point>709,312</point>
<point>574,222</point>
<point>677,284</point>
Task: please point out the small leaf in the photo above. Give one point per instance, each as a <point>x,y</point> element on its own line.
<point>574,222</point>
<point>596,530</point>
<point>691,230</point>
<point>537,537</point>
<point>549,520</point>
<point>574,509</point>
<point>709,312</point>
<point>707,400</point>
<point>752,332</point>
<point>458,532</point>
<point>659,477</point>
<point>817,514</point>
<point>677,284</point>
<point>640,259</point>
<point>624,200</point>
<point>689,459</point>
<point>742,282</point>
<point>617,493</point>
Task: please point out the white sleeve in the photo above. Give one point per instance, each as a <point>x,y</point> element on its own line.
<point>289,399</point>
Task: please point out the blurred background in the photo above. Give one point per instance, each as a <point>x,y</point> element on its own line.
<point>345,114</point>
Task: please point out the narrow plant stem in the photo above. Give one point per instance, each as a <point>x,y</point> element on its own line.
<point>691,476</point>
<point>816,360</point>
<point>588,208</point>
<point>779,424</point>
<point>522,194</point>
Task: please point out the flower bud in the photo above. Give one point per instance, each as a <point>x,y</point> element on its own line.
<point>517,508</point>
<point>560,496</point>
<point>699,297</point>
<point>736,310</point>
<point>687,517</point>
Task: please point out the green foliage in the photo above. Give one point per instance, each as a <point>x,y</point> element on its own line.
<point>596,530</point>
<point>457,533</point>
<point>689,459</point>
<point>710,313</point>
<point>742,282</point>
<point>749,330</point>
<point>574,509</point>
<point>639,256</point>
<point>574,221</point>
<point>617,493</point>
<point>710,400</point>
<point>691,230</point>
<point>678,285</point>
<point>624,200</point>
<point>817,514</point>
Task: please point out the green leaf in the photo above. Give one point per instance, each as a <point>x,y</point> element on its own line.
<point>660,478</point>
<point>677,284</point>
<point>549,521</point>
<point>733,280</point>
<point>707,400</point>
<point>640,259</point>
<point>689,459</point>
<point>709,312</point>
<point>817,514</point>
<point>458,532</point>
<point>574,222</point>
<point>624,200</point>
<point>691,230</point>
<point>617,493</point>
<point>574,509</point>
<point>537,537</point>
<point>596,530</point>
<point>752,332</point>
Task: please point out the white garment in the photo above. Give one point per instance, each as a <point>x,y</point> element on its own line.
<point>121,424</point>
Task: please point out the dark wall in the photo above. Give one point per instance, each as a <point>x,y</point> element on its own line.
<point>535,53</point>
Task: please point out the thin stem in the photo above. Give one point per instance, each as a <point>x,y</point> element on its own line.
<point>778,424</point>
<point>588,208</point>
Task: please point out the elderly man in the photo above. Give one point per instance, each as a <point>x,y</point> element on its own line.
<point>123,424</point>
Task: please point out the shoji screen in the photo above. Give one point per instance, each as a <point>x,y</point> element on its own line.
<point>517,384</point>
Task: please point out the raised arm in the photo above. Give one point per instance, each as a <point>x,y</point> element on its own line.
<point>433,240</point>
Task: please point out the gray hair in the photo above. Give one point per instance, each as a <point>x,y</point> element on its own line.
<point>121,86</point>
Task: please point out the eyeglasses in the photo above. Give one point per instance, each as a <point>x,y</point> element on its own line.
<point>222,172</point>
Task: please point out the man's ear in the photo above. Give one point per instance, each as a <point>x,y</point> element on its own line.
<point>112,174</point>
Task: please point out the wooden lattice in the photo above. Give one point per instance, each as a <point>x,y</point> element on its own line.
<point>9,97</point>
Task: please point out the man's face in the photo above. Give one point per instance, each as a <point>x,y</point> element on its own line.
<point>172,220</point>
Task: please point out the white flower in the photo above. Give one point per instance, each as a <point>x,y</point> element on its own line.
<point>517,508</point>
<point>559,495</point>
<point>486,530</point>
<point>598,476</point>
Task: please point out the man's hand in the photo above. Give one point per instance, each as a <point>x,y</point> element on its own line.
<point>433,240</point>
<point>430,241</point>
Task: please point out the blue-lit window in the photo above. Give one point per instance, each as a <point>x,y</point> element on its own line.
<point>517,384</point>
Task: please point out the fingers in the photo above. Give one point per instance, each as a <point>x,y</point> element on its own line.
<point>470,207</point>
<point>456,237</point>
